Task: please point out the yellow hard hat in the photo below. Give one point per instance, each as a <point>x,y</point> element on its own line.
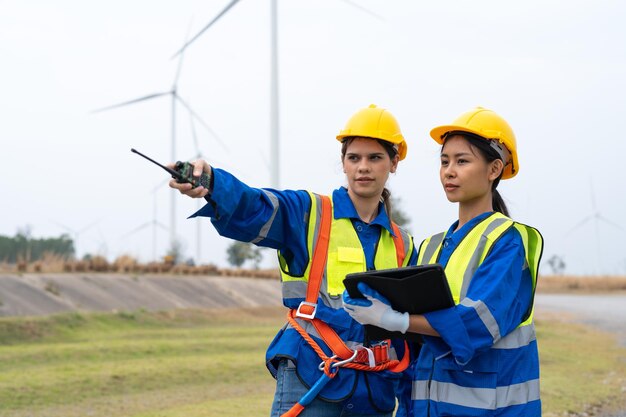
<point>488,125</point>
<point>377,123</point>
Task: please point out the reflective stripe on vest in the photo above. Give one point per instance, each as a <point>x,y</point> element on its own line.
<point>471,252</point>
<point>479,398</point>
<point>345,255</point>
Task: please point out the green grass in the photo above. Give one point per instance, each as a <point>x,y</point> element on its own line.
<point>211,363</point>
<point>137,364</point>
<point>581,368</point>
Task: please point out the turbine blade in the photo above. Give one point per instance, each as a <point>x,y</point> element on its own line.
<point>89,226</point>
<point>180,60</point>
<point>363,9</point>
<point>202,122</point>
<point>69,229</point>
<point>609,222</point>
<point>137,100</point>
<point>215,19</point>
<point>136,229</point>
<point>579,224</point>
<point>161,225</point>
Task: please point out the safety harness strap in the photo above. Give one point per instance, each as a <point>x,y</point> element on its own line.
<point>367,359</point>
<point>318,263</point>
<point>399,243</point>
<point>307,308</point>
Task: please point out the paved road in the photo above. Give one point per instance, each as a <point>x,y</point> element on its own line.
<point>606,311</point>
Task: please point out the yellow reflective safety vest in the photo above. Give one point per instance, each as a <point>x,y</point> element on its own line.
<point>473,249</point>
<point>344,255</point>
<point>503,380</point>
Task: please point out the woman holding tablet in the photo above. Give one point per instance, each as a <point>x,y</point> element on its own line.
<point>479,357</point>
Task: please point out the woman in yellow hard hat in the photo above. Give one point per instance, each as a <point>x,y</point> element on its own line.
<point>318,358</point>
<point>479,357</point>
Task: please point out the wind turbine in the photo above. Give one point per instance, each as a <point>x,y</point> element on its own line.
<point>154,223</point>
<point>274,104</point>
<point>76,232</point>
<point>175,98</point>
<point>596,217</point>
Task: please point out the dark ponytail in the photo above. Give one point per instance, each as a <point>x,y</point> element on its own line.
<point>490,155</point>
<point>498,203</point>
<point>386,199</point>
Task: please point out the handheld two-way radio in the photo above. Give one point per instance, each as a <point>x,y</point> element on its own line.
<point>182,172</point>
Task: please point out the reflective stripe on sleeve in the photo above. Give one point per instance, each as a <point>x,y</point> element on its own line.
<point>520,337</point>
<point>266,227</point>
<point>485,316</point>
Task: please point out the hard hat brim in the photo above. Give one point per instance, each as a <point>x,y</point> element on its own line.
<point>402,146</point>
<point>439,133</point>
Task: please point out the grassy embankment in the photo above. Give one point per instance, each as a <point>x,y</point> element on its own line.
<point>211,364</point>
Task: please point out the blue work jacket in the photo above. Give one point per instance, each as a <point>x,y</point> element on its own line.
<point>278,219</point>
<point>464,371</point>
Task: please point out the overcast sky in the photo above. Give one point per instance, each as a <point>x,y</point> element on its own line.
<point>556,70</point>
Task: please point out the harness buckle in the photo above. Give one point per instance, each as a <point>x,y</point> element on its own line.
<point>303,315</point>
<point>338,363</point>
<point>374,355</point>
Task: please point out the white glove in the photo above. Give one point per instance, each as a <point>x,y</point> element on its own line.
<point>375,309</point>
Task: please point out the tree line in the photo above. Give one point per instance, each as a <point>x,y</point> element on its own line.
<point>22,247</point>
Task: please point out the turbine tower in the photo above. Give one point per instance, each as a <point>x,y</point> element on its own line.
<point>154,223</point>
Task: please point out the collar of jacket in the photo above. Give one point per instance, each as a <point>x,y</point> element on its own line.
<point>343,208</point>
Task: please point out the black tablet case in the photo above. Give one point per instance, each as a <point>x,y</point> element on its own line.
<point>414,289</point>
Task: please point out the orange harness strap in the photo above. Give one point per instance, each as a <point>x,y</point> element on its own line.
<point>307,309</point>
<point>318,263</point>
<point>399,243</point>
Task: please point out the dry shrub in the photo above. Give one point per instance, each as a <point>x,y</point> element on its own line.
<point>125,264</point>
<point>50,262</point>
<point>181,269</point>
<point>98,264</point>
<point>208,269</point>
<point>250,273</point>
<point>80,266</point>
<point>6,267</point>
<point>583,284</point>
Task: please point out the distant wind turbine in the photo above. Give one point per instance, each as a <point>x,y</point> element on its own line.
<point>154,223</point>
<point>274,105</point>
<point>596,217</point>
<point>175,98</point>
<point>76,232</point>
